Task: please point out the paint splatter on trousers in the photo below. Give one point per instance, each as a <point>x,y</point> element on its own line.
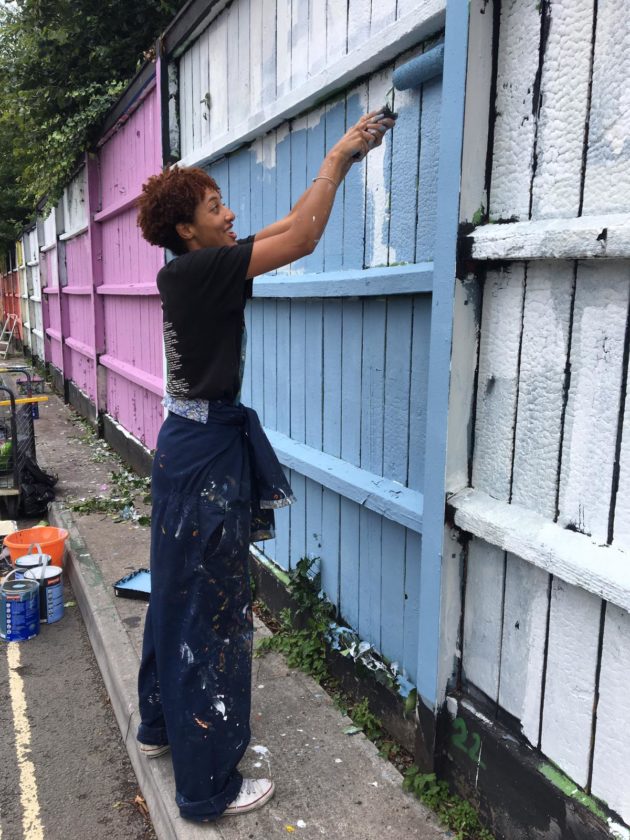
<point>214,487</point>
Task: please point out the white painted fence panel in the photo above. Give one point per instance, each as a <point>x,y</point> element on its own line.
<point>482,616</point>
<point>570,684</point>
<point>607,184</point>
<point>553,380</point>
<point>523,644</point>
<point>541,385</point>
<point>564,109</point>
<point>75,203</point>
<point>611,763</point>
<point>621,530</point>
<point>592,416</point>
<point>378,181</point>
<point>498,380</point>
<point>515,126</point>
<point>336,29</point>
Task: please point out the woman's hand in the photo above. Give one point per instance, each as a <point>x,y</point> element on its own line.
<point>365,135</point>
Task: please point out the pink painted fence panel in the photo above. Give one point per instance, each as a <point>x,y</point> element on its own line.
<point>131,305</point>
<point>49,270</point>
<point>79,340</point>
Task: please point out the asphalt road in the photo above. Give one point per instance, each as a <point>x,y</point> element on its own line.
<point>64,772</point>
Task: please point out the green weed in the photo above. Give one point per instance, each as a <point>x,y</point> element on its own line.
<point>452,811</point>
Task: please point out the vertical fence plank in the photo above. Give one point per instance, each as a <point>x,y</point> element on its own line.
<point>316,36</point>
<point>621,535</point>
<point>184,104</point>
<point>283,47</point>
<point>523,643</point>
<point>299,42</point>
<point>283,344</point>
<point>570,681</point>
<point>195,96</point>
<point>269,53</point>
<point>483,616</point>
<point>204,88</point>
<point>378,179</point>
<point>299,151</point>
<point>331,443</point>
<point>241,103</point>
<point>611,762</point>
<point>282,548</point>
<point>370,584</point>
<point>256,67</point>
<point>515,127</point>
<point>393,604</point>
<point>349,540</point>
<point>354,189</point>
<point>333,235</point>
<point>397,388</point>
<point>563,111</point>
<point>315,151</point>
<point>352,332</point>
<point>421,331</point>
<point>270,356</point>
<point>372,385</point>
<point>314,384</point>
<point>336,29</point>
<point>256,351</point>
<point>546,319</point>
<point>405,151</point>
<point>599,325</point>
<point>358,23</point>
<point>607,181</point>
<point>222,52</point>
<point>413,556</point>
<point>246,387</point>
<point>498,380</point>
<point>298,424</point>
<point>428,169</point>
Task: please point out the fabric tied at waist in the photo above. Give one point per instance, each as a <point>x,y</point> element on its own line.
<point>198,456</point>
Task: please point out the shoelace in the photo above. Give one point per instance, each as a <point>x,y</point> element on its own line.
<point>248,787</point>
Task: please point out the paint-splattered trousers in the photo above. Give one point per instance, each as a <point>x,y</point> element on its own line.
<point>214,487</point>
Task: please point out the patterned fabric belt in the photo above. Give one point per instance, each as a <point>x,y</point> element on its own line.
<point>192,409</point>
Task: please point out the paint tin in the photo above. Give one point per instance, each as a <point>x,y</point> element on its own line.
<point>19,610</point>
<point>50,579</point>
<point>30,561</point>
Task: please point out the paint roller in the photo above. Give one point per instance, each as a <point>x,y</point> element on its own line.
<point>420,69</point>
<point>414,73</point>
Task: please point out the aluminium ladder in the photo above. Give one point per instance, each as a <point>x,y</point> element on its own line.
<point>7,334</point>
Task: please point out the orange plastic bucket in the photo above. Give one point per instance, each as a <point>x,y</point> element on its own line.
<point>52,542</point>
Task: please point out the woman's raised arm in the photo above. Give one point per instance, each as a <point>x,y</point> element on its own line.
<point>297,234</point>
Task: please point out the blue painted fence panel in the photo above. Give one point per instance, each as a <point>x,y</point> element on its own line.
<point>348,376</point>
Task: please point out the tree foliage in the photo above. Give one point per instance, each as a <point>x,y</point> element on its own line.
<point>63,63</point>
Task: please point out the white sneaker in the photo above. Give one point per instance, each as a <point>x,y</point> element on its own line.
<point>254,793</point>
<point>153,750</point>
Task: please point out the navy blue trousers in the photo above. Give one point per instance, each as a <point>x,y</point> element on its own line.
<point>214,487</point>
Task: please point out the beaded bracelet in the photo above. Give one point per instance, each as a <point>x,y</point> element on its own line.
<point>325,178</point>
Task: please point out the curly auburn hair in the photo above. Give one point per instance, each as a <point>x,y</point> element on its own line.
<point>168,199</point>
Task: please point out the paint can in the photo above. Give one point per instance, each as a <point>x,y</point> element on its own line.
<point>30,561</point>
<point>50,580</point>
<point>19,609</point>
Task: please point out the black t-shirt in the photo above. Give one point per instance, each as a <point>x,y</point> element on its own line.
<point>203,298</point>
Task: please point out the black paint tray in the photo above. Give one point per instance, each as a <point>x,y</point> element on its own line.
<point>136,585</point>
